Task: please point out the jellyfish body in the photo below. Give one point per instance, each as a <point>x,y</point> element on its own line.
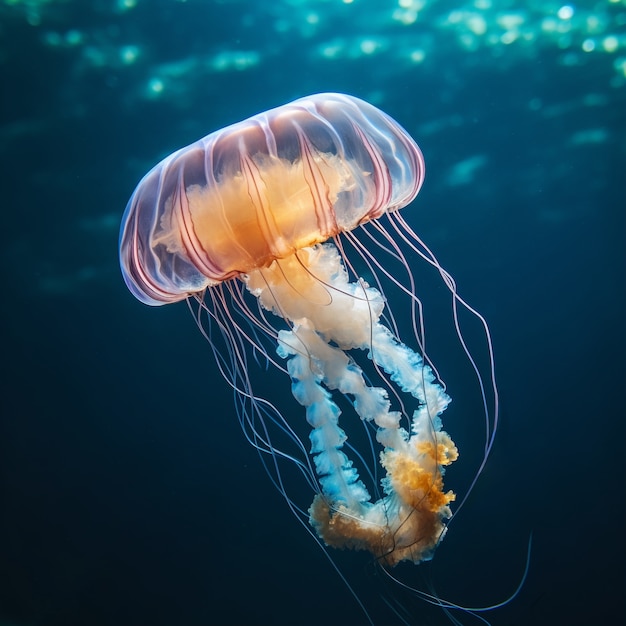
<point>264,209</point>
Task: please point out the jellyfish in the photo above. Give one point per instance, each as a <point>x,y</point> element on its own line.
<point>284,235</point>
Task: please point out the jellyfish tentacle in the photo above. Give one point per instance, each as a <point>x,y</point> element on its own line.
<point>408,522</point>
<point>309,370</point>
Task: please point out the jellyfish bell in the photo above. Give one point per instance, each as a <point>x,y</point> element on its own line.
<point>258,225</point>
<point>262,189</point>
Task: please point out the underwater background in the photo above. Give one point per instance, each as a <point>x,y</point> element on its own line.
<point>128,494</point>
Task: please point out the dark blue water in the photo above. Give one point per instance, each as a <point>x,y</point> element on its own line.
<point>129,496</point>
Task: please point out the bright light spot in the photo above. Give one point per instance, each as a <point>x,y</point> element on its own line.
<point>417,56</point>
<point>369,46</point>
<point>412,5</point>
<point>124,5</point>
<point>404,16</point>
<point>312,18</point>
<point>594,24</point>
<point>483,5</point>
<point>548,24</point>
<point>589,45</point>
<point>455,17</point>
<point>509,21</point>
<point>610,43</point>
<point>331,50</point>
<point>129,54</point>
<point>73,37</point>
<point>477,24</point>
<point>235,60</point>
<point>508,37</point>
<point>155,86</point>
<point>566,12</point>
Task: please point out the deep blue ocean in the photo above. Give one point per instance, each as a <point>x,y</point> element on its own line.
<point>128,493</point>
